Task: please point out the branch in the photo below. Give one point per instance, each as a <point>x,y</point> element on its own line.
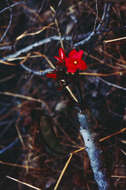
<point>95,153</point>
<point>99,29</point>
<point>111,84</point>
<point>9,47</point>
<point>9,146</point>
<point>11,6</point>
<point>39,73</point>
<point>34,45</point>
<point>9,24</point>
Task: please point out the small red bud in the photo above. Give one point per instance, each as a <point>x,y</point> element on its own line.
<point>62,53</point>
<point>51,75</point>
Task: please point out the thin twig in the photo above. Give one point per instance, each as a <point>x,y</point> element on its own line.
<point>11,6</point>
<point>23,57</point>
<point>18,165</point>
<point>99,28</point>
<point>66,166</point>
<point>71,93</point>
<point>34,33</point>
<point>6,63</point>
<point>96,19</point>
<point>118,176</point>
<point>24,183</point>
<point>113,134</point>
<point>19,134</point>
<point>114,40</point>
<point>111,84</point>
<point>7,78</point>
<point>39,73</point>
<point>6,48</point>
<point>7,29</point>
<point>63,171</point>
<point>9,146</point>
<point>103,74</point>
<point>47,59</point>
<point>57,26</point>
<point>23,97</point>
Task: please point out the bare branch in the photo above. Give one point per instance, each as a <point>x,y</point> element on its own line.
<point>99,29</point>
<point>11,6</point>
<point>111,84</point>
<point>24,183</point>
<point>6,47</point>
<point>10,21</point>
<point>9,146</point>
<point>34,45</point>
<point>40,73</point>
<point>94,152</point>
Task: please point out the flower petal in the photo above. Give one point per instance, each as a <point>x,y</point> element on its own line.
<point>73,53</point>
<point>58,59</point>
<point>71,70</point>
<point>67,61</point>
<point>62,53</point>
<point>80,54</point>
<point>76,55</point>
<point>82,65</point>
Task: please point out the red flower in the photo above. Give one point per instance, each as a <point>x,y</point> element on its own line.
<point>74,62</point>
<point>62,56</point>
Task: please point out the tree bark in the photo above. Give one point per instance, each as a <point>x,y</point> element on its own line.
<point>95,153</point>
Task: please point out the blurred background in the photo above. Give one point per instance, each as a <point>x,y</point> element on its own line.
<point>38,123</point>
